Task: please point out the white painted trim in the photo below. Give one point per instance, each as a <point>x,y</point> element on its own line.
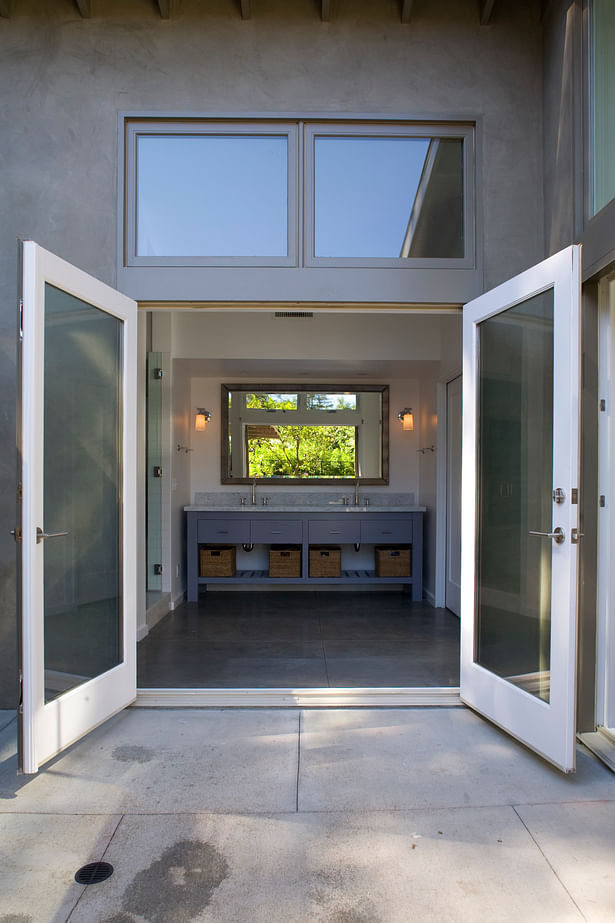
<point>49,727</point>
<point>178,601</point>
<point>605,641</point>
<point>440,579</point>
<point>548,728</point>
<point>441,488</point>
<point>298,698</point>
<point>429,596</point>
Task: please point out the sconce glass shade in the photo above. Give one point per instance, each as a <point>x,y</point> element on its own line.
<point>201,419</point>
<point>407,419</point>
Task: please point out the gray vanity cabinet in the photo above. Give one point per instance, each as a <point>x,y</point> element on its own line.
<point>354,527</point>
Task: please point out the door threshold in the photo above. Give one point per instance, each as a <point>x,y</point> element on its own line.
<point>388,697</point>
<point>602,744</point>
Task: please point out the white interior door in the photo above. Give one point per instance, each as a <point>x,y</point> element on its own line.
<point>453,495</point>
<point>521,345</point>
<point>78,540</point>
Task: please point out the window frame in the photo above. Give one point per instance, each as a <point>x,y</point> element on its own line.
<point>383,129</point>
<point>136,129</point>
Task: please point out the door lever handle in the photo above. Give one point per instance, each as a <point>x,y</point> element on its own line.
<point>557,535</point>
<point>40,535</point>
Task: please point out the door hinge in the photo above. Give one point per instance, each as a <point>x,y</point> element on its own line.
<point>19,492</point>
<point>157,471</point>
<point>158,569</point>
<point>574,495</point>
<point>602,501</point>
<point>602,405</point>
<point>20,706</point>
<point>20,319</point>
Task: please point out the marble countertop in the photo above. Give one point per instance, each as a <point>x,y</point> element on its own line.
<point>296,508</point>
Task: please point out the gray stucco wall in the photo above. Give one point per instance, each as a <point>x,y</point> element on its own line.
<point>65,79</point>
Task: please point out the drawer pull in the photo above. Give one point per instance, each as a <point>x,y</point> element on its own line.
<point>222,532</point>
<point>335,531</point>
<point>386,532</point>
<point>275,531</point>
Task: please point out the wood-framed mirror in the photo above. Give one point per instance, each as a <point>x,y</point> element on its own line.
<point>291,434</point>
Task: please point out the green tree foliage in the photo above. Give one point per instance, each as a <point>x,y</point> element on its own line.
<point>304,452</point>
<point>301,451</point>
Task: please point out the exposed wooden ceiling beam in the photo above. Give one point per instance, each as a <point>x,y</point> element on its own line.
<point>84,7</point>
<point>325,10</point>
<point>246,9</point>
<point>406,10</point>
<point>486,9</point>
<point>6,8</point>
<point>168,8</point>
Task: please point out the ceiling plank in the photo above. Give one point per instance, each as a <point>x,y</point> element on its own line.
<point>84,7</point>
<point>486,9</point>
<point>168,8</point>
<point>246,9</point>
<point>406,10</point>
<point>325,10</point>
<point>6,8</point>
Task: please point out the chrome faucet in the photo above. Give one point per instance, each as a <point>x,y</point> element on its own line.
<point>356,493</point>
<point>253,491</point>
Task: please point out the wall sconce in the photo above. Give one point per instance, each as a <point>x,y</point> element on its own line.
<point>201,419</point>
<point>407,418</point>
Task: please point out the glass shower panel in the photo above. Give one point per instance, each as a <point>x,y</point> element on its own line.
<point>82,457</point>
<point>154,471</point>
<point>515,482</point>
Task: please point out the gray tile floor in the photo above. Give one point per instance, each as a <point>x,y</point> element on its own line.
<point>311,639</point>
<point>429,815</point>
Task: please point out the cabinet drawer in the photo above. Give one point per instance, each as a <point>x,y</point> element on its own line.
<point>223,531</point>
<point>277,531</point>
<point>385,530</point>
<point>334,532</point>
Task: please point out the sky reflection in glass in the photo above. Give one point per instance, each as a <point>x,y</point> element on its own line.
<point>212,195</point>
<point>364,190</point>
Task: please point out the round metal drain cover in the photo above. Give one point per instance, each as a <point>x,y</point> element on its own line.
<point>93,873</point>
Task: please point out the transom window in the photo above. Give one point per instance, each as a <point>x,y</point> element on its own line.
<point>299,193</point>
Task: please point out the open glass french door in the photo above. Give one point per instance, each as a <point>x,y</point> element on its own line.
<point>521,347</point>
<point>78,522</point>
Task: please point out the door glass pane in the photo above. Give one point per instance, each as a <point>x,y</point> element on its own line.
<point>388,197</point>
<point>515,465</point>
<point>603,98</point>
<point>212,195</point>
<point>82,491</point>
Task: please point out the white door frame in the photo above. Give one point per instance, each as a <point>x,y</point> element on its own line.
<point>549,728</point>
<point>605,641</point>
<point>49,727</point>
<point>441,480</point>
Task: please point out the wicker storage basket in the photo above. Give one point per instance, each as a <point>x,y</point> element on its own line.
<point>285,562</point>
<point>325,561</point>
<point>217,560</point>
<point>392,561</point>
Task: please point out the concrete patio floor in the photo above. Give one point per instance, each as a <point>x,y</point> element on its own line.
<point>338,815</point>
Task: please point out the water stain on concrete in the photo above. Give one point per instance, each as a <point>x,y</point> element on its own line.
<point>354,916</point>
<point>132,754</point>
<point>178,886</point>
<point>16,918</point>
